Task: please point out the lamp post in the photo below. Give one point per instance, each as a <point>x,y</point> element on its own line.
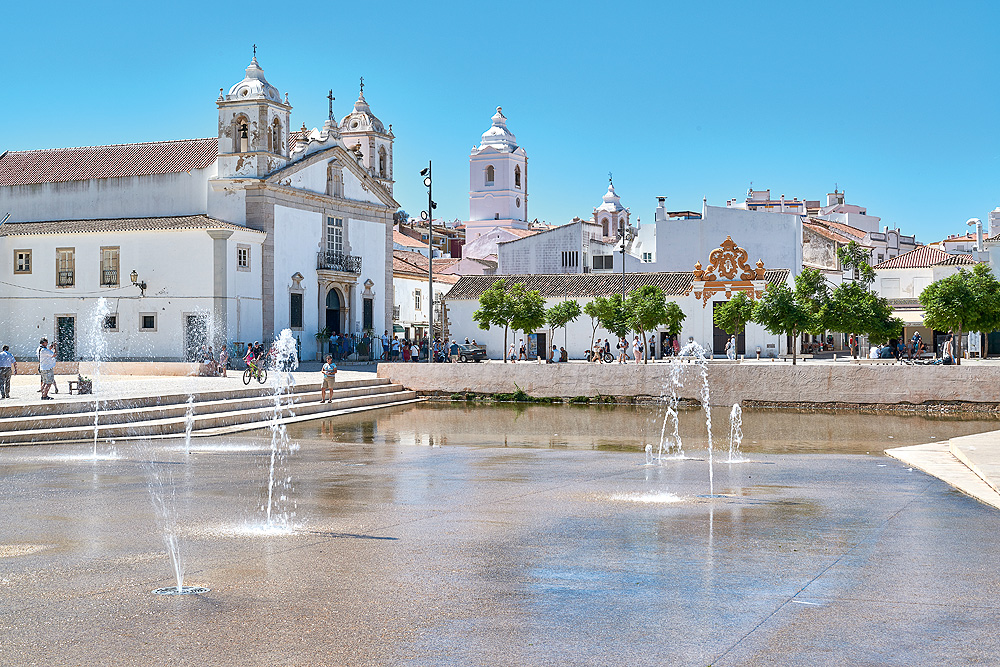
<point>428,215</point>
<point>624,234</point>
<point>135,282</point>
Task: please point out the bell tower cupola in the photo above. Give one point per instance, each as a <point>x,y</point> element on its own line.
<point>498,177</point>
<point>253,126</point>
<point>365,135</point>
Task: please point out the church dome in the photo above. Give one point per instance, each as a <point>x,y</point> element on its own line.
<point>254,86</point>
<point>498,136</point>
<point>361,119</point>
<point>612,202</point>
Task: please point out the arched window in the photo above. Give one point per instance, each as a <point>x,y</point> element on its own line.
<point>241,134</point>
<point>605,225</point>
<point>517,176</point>
<point>274,137</point>
<point>381,162</point>
<point>490,172</point>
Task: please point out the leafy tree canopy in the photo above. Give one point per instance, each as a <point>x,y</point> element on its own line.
<point>733,315</point>
<point>562,313</point>
<point>853,256</point>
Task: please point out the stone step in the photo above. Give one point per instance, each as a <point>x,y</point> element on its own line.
<point>111,414</point>
<point>221,421</point>
<point>84,404</point>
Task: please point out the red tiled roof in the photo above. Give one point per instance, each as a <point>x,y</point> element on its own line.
<point>853,232</point>
<point>118,225</point>
<point>59,165</point>
<point>408,241</point>
<point>925,257</point>
<point>826,232</point>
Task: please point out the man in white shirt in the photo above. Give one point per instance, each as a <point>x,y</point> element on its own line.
<point>46,366</point>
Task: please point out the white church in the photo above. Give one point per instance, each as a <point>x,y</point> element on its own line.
<point>151,250</point>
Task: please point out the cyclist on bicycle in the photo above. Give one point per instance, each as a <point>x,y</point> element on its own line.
<point>251,353</point>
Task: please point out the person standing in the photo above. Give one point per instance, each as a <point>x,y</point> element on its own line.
<point>652,346</point>
<point>636,348</point>
<point>947,356</point>
<point>731,348</point>
<point>47,367</point>
<point>329,378</point>
<point>453,351</point>
<point>8,366</point>
<point>510,354</point>
<point>385,345</point>
<point>224,361</point>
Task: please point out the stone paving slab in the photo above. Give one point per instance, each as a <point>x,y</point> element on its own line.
<point>981,453</point>
<point>936,459</point>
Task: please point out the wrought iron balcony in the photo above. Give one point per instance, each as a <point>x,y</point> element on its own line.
<point>65,278</point>
<point>338,261</point>
<point>109,277</point>
<point>395,313</point>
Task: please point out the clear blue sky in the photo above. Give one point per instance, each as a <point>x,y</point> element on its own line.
<point>895,102</point>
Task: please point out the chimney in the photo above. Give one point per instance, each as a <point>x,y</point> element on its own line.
<point>661,209</point>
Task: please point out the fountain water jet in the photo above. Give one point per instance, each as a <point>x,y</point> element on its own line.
<point>97,319</point>
<point>165,507</point>
<point>735,433</point>
<point>285,359</point>
<point>188,424</point>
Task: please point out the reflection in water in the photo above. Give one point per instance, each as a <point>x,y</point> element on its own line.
<point>631,428</point>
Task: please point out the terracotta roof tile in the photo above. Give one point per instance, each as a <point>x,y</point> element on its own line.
<point>589,285</point>
<point>407,241</point>
<point>118,225</point>
<point>79,164</point>
<point>924,257</point>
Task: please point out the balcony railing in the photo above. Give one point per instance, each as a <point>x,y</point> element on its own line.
<point>395,313</point>
<point>109,277</point>
<point>65,278</point>
<point>338,261</point>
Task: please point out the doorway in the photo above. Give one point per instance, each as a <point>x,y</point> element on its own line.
<point>333,311</point>
<point>195,335</point>
<point>720,337</point>
<point>66,338</point>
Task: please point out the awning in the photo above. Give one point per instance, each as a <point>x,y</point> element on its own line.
<point>397,329</point>
<point>911,318</point>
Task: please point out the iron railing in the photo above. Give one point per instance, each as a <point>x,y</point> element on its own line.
<point>338,261</point>
<point>356,347</point>
<point>109,277</point>
<point>395,313</point>
<point>65,278</point>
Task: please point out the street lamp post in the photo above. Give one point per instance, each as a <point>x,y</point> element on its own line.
<point>428,216</point>
<point>624,234</point>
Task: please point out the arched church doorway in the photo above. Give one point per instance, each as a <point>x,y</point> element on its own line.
<point>333,311</point>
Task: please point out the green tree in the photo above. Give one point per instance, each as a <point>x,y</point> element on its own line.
<point>962,301</point>
<point>529,310</point>
<point>647,307</point>
<point>561,314</point>
<point>853,309</point>
<point>595,311</point>
<point>780,312</point>
<point>853,256</point>
<point>675,318</point>
<point>986,292</point>
<point>616,316</point>
<point>733,315</point>
<point>496,308</point>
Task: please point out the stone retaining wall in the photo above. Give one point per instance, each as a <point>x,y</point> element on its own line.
<point>729,383</point>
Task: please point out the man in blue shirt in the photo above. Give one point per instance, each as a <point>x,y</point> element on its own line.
<point>8,365</point>
<point>329,377</point>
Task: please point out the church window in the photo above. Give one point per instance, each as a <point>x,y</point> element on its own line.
<point>295,310</point>
<point>517,177</point>
<point>274,137</point>
<point>242,257</point>
<point>605,224</point>
<point>334,180</point>
<point>334,235</point>
<point>381,162</point>
<point>22,261</point>
<point>490,173</point>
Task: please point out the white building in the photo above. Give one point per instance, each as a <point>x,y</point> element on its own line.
<point>236,237</point>
<point>696,292</point>
<point>410,294</point>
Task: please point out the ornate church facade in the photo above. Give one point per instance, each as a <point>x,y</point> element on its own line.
<point>163,247</point>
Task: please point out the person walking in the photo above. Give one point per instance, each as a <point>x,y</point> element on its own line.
<point>453,352</point>
<point>636,349</point>
<point>522,352</point>
<point>8,367</point>
<point>510,354</point>
<point>731,348</point>
<point>329,378</point>
<point>47,367</point>
<point>41,384</point>
<point>224,361</point>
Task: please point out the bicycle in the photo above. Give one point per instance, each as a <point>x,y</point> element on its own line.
<point>603,356</point>
<point>253,371</point>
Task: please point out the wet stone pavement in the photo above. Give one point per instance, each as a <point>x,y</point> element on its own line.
<point>421,539</point>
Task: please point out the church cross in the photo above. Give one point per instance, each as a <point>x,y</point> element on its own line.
<point>362,86</point>
<point>331,98</point>
<point>609,177</point>
<point>254,50</point>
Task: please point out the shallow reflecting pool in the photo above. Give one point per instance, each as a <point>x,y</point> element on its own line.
<point>513,535</point>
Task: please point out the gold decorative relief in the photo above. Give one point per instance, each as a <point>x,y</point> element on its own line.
<point>728,272</point>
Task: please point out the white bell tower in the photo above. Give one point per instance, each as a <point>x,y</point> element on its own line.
<point>253,127</point>
<point>498,178</point>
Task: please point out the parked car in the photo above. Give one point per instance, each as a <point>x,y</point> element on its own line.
<point>470,353</point>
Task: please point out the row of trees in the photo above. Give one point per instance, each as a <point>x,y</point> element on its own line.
<point>513,307</point>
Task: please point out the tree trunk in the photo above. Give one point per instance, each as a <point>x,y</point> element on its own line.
<point>795,345</point>
<point>503,352</point>
<point>986,345</point>
<point>956,348</point>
